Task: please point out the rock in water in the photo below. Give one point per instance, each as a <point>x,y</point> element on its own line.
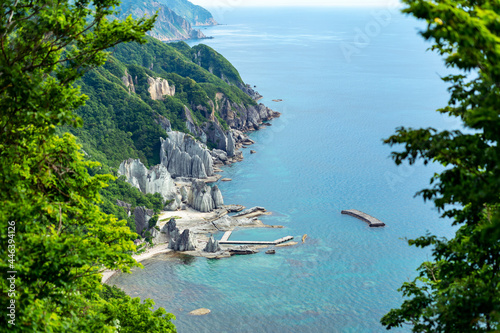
<point>212,245</point>
<point>199,312</point>
<point>244,250</point>
<point>234,208</point>
<point>250,210</point>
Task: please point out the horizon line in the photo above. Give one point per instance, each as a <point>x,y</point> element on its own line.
<point>305,6</point>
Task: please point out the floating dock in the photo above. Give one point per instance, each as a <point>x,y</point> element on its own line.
<point>372,222</point>
<point>225,240</point>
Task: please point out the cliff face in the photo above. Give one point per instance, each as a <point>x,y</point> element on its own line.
<point>155,180</point>
<point>183,156</point>
<point>196,194</point>
<point>203,198</point>
<point>169,26</point>
<point>159,88</point>
<point>194,14</point>
<point>241,117</point>
<point>128,82</point>
<point>178,111</point>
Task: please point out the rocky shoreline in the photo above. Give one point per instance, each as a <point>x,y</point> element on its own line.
<point>187,231</point>
<point>194,208</point>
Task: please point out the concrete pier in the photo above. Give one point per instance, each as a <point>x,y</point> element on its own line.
<point>226,236</point>
<point>225,240</point>
<point>372,222</point>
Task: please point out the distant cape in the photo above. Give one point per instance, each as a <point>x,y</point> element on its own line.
<point>176,18</point>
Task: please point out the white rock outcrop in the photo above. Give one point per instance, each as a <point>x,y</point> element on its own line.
<point>212,245</point>
<point>176,240</point>
<point>157,237</point>
<point>128,82</point>
<point>159,87</point>
<point>217,197</point>
<point>174,200</point>
<point>203,198</point>
<point>142,216</point>
<point>155,180</point>
<point>170,229</point>
<point>183,156</point>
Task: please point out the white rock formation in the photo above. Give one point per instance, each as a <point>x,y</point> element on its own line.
<point>184,194</point>
<point>183,156</point>
<point>158,88</point>
<point>157,179</point>
<point>175,202</point>
<point>212,245</point>
<point>178,241</point>
<point>203,198</point>
<point>170,229</point>
<point>128,82</point>
<point>217,197</point>
<point>157,237</point>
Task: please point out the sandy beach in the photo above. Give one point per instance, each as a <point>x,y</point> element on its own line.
<point>160,248</point>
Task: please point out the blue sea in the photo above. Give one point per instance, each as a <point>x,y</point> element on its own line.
<point>348,78</point>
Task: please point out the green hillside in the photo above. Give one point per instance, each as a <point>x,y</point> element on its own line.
<point>194,14</point>
<point>119,124</point>
<point>175,19</point>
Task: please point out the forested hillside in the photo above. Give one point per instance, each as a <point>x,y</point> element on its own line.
<point>122,120</point>
<point>175,20</point>
<point>145,90</point>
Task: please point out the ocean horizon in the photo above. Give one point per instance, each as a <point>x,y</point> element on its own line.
<point>347,78</point>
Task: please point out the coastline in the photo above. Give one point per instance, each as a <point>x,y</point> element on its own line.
<point>157,249</point>
<point>202,224</point>
<point>335,281</point>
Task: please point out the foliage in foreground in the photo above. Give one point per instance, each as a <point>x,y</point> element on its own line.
<point>459,291</point>
<point>61,240</point>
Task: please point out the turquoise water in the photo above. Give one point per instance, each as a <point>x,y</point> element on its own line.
<point>323,155</point>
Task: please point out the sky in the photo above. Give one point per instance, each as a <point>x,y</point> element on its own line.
<point>269,3</point>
